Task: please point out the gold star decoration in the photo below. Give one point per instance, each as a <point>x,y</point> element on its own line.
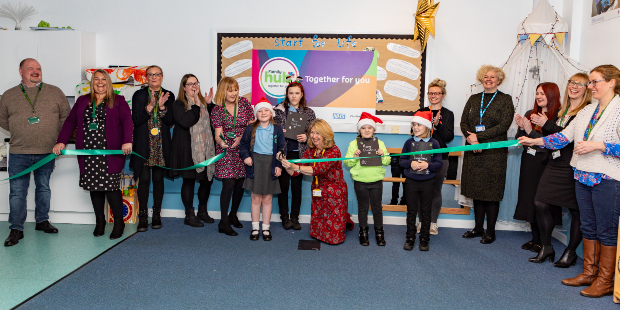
<point>425,21</point>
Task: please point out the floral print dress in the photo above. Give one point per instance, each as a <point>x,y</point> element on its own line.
<point>231,166</point>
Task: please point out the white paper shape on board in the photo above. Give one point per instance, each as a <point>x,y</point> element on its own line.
<point>381,74</point>
<point>237,48</point>
<point>403,50</point>
<point>245,85</point>
<point>403,68</point>
<point>401,89</point>
<point>238,67</point>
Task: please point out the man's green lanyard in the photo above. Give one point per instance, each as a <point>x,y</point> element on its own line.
<point>34,119</point>
<point>593,124</point>
<point>94,125</point>
<point>231,134</point>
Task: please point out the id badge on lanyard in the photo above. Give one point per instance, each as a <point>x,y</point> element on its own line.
<point>317,191</point>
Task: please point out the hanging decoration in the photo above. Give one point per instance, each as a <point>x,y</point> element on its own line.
<point>425,21</point>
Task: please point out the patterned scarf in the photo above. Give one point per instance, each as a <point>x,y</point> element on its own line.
<point>202,139</point>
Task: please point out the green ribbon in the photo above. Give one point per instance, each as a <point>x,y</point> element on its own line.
<point>472,147</point>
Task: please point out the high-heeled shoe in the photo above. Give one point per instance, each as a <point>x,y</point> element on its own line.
<point>546,252</point>
<point>234,221</point>
<point>224,228</point>
<point>568,258</point>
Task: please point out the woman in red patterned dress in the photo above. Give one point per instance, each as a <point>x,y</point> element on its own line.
<point>329,189</point>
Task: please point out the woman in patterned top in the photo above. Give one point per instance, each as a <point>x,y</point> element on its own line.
<point>230,116</point>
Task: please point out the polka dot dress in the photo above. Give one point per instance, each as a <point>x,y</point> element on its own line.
<point>96,176</point>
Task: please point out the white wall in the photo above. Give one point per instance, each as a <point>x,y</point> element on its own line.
<point>600,43</point>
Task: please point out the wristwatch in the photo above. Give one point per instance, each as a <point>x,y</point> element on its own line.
<point>298,169</point>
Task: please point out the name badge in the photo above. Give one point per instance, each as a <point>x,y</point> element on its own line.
<point>556,154</point>
<point>33,120</point>
<point>531,151</point>
<point>479,128</point>
<point>231,135</point>
<point>316,193</point>
<point>93,126</point>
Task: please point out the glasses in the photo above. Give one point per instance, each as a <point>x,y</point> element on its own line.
<point>192,84</point>
<point>577,84</point>
<point>593,83</point>
<point>154,75</point>
<point>435,94</point>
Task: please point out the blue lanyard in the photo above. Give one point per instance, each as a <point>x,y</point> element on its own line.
<point>485,109</point>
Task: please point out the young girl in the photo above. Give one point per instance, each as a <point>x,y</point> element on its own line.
<point>259,149</point>
<point>368,180</point>
<point>419,180</point>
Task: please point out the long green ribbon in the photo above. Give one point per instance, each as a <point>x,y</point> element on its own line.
<point>472,147</point>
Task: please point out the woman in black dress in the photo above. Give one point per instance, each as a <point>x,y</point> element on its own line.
<point>151,112</point>
<point>534,159</point>
<point>192,143</point>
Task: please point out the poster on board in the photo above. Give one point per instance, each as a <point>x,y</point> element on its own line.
<point>603,10</point>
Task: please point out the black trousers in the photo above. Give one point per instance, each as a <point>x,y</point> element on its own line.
<point>157,174</point>
<point>231,188</point>
<point>115,199</point>
<point>419,197</point>
<point>369,194</point>
<point>295,185</point>
<point>397,172</point>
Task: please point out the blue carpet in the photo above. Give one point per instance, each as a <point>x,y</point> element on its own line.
<point>179,267</point>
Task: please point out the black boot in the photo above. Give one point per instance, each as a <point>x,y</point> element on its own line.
<point>99,227</point>
<point>295,221</point>
<point>156,222</point>
<point>364,236</point>
<point>191,219</point>
<point>286,223</point>
<point>14,237</point>
<point>423,244</point>
<point>568,258</point>
<point>546,252</point>
<point>234,221</point>
<point>409,244</point>
<point>118,229</point>
<point>380,236</point>
<point>203,215</point>
<point>224,228</point>
<point>143,220</point>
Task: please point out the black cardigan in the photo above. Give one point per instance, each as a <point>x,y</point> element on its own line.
<point>141,131</point>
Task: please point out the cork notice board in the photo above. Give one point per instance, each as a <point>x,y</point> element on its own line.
<point>400,65</point>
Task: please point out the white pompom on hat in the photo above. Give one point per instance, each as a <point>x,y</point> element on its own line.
<point>368,119</point>
<point>263,103</point>
<point>424,118</point>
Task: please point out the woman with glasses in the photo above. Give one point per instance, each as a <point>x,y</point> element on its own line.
<point>443,132</point>
<point>151,112</point>
<point>596,163</point>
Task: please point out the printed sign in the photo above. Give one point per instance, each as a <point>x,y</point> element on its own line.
<point>369,147</point>
<point>295,125</point>
<point>417,147</point>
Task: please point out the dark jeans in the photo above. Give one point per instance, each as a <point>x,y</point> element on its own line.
<point>145,182</point>
<point>369,194</point>
<point>437,185</point>
<point>419,196</point>
<point>19,189</point>
<point>599,208</point>
<point>295,183</point>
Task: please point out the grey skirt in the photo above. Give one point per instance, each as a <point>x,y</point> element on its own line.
<point>262,183</point>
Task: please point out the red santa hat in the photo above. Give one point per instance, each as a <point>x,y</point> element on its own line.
<point>368,119</point>
<point>424,118</point>
<point>263,103</point>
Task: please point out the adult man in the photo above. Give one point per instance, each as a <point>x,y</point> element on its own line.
<point>33,112</point>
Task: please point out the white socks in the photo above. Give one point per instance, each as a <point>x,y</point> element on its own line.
<point>255,228</point>
<point>265,228</point>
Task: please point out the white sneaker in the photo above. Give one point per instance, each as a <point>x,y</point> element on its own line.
<point>434,229</point>
<point>419,225</point>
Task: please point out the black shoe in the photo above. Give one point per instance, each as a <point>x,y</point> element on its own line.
<point>192,220</point>
<point>296,225</point>
<point>528,245</point>
<point>423,245</point>
<point>487,239</point>
<point>234,221</point>
<point>568,258</point>
<point>203,215</point>
<point>254,236</point>
<point>394,201</point>
<point>364,236</point>
<point>99,228</point>
<point>536,248</point>
<point>14,237</point>
<point>224,228</point>
<point>409,243</point>
<point>156,222</point>
<point>349,226</point>
<point>546,252</point>
<point>143,221</point>
<point>472,234</point>
<point>286,223</point>
<point>117,231</point>
<point>46,227</point>
<point>379,235</point>
<point>267,237</point>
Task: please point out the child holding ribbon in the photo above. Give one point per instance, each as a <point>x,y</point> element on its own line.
<point>260,145</point>
<point>368,180</point>
<point>419,179</point>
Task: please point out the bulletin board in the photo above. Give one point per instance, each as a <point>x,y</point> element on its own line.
<point>400,64</point>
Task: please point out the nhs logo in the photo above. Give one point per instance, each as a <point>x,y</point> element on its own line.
<point>339,116</point>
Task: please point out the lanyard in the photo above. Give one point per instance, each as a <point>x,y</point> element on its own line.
<point>234,118</point>
<point>95,105</point>
<point>595,120</point>
<point>563,117</point>
<point>485,109</point>
<point>35,98</point>
<point>316,178</point>
<point>161,91</point>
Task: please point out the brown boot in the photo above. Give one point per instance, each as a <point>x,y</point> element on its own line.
<point>604,283</point>
<point>591,257</point>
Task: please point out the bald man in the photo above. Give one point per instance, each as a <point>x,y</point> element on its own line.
<point>33,112</point>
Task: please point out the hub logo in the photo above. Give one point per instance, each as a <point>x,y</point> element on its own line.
<point>339,116</point>
<point>273,75</point>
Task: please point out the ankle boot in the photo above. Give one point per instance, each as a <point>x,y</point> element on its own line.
<point>545,252</point>
<point>99,227</point>
<point>224,228</point>
<point>286,223</point>
<point>379,235</point>
<point>143,220</point>
<point>591,257</point>
<point>295,221</point>
<point>234,221</point>
<point>364,236</point>
<point>569,258</point>
<point>156,222</point>
<point>191,219</point>
<point>203,215</point>
<point>603,285</point>
<point>118,229</point>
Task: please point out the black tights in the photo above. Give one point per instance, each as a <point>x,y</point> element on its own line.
<point>536,232</point>
<point>491,210</point>
<point>143,187</point>
<point>545,224</point>
<point>115,199</point>
<point>231,188</point>
<point>187,192</point>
